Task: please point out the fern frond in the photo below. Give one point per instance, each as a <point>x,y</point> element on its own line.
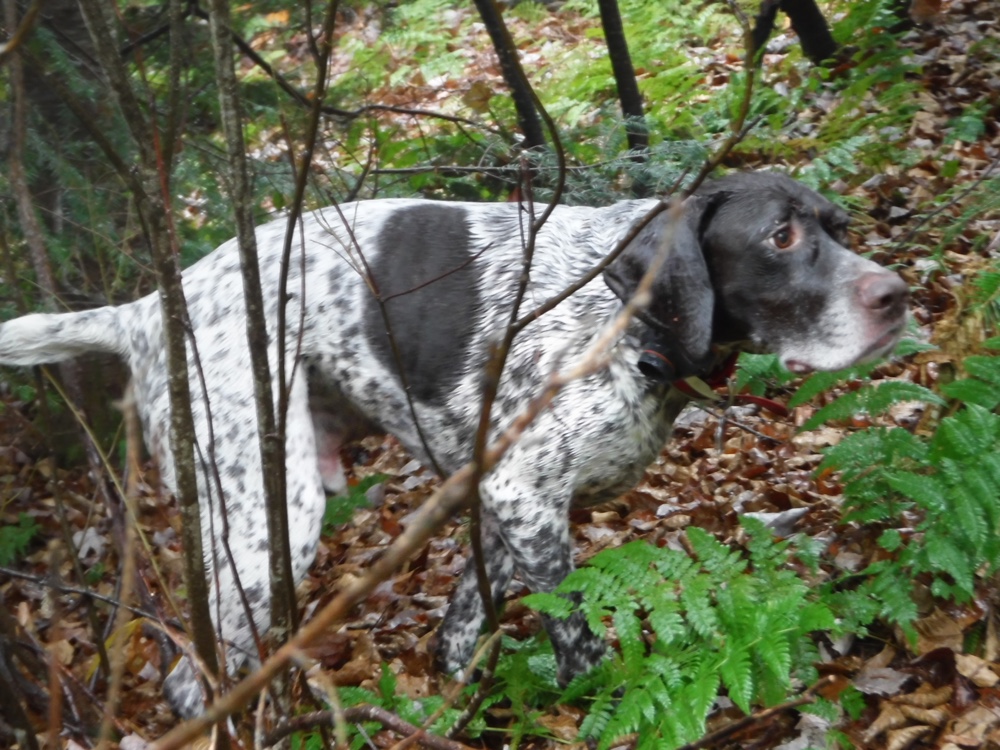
<point>820,382</point>
<point>984,367</point>
<point>971,391</point>
<point>598,716</point>
<point>775,653</point>
<point>737,675</point>
<point>664,615</point>
<point>944,555</point>
<point>629,628</point>
<point>553,605</point>
<point>701,615</point>
<point>966,435</point>
<point>713,555</point>
<point>928,491</point>
<point>875,399</point>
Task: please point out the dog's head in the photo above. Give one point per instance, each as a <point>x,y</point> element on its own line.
<point>758,257</point>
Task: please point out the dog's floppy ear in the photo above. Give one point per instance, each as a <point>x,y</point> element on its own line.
<point>679,316</point>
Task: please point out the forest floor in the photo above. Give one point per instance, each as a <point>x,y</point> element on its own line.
<point>917,695</point>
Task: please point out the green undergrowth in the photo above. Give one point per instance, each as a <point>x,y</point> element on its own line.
<point>15,538</point>
<point>430,712</point>
<point>739,620</point>
<point>340,508</point>
<point>688,625</point>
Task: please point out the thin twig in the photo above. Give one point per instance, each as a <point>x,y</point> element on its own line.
<point>359,714</point>
<point>454,690</point>
<point>25,26</point>
<point>724,418</point>
<point>492,647</point>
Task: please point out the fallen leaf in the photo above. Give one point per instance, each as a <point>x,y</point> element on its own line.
<point>977,670</point>
<point>900,739</point>
<point>938,630</point>
<point>890,717</point>
<point>881,681</point>
<point>926,697</point>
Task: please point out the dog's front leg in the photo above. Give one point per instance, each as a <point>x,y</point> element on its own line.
<point>534,528</point>
<point>456,638</point>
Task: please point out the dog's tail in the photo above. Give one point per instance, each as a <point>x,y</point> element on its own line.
<point>41,338</point>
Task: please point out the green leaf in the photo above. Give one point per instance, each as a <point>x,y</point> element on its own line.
<point>928,491</point>
<point>700,614</point>
<point>971,391</point>
<point>890,540</point>
<point>982,367</point>
<point>14,539</point>
<point>776,653</point>
<point>554,605</point>
<point>945,557</point>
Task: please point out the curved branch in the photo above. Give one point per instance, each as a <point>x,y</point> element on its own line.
<point>364,712</point>
<point>21,33</point>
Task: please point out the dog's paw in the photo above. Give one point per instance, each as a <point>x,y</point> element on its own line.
<point>183,690</point>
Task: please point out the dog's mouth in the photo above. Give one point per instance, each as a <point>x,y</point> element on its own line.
<point>883,345</point>
<point>879,348</point>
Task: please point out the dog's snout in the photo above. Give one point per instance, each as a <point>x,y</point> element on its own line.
<point>883,293</point>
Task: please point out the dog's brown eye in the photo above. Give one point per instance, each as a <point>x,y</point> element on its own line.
<point>784,238</point>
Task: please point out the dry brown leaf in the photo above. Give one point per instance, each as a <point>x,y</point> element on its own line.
<point>881,681</point>
<point>924,11</point>
<point>414,686</point>
<point>933,716</point>
<point>563,726</point>
<point>63,652</point>
<point>970,728</point>
<point>606,516</point>
<point>882,659</point>
<point>900,739</point>
<point>926,697</point>
<point>938,630</point>
<point>991,648</point>
<point>977,670</point>
<point>890,717</point>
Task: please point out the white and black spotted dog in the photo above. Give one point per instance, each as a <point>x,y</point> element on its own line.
<point>757,262</point>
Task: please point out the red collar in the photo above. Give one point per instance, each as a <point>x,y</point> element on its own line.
<point>705,388</point>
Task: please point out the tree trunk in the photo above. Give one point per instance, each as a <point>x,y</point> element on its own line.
<point>513,74</point>
<point>151,200</point>
<point>807,21</point>
<point>621,65</point>
<point>272,444</point>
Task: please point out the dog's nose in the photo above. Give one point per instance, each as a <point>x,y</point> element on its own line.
<point>883,293</point>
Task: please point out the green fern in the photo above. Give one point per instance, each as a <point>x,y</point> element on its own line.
<point>950,482</point>
<point>873,400</point>
<point>15,538</point>
<point>686,626</point>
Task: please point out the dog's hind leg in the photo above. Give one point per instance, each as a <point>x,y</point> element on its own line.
<point>236,534</point>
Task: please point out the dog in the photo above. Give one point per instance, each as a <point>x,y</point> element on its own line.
<point>393,308</point>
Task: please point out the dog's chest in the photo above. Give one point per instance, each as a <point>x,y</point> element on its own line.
<point>628,436</point>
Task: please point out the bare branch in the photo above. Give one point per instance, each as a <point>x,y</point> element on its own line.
<point>359,714</point>
<point>21,32</point>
